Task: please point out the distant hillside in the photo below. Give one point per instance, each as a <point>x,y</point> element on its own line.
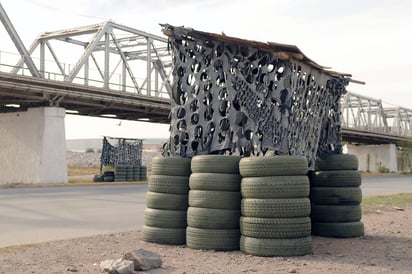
<point>96,144</point>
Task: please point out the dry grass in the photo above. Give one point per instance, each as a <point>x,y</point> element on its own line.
<point>77,170</point>
<point>14,248</point>
<point>386,202</point>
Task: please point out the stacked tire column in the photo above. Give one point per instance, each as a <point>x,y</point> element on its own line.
<point>120,173</point>
<point>275,206</point>
<point>336,197</point>
<point>214,203</point>
<point>165,217</point>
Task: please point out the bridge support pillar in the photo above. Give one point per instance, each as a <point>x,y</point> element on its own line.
<point>33,146</point>
<point>375,158</point>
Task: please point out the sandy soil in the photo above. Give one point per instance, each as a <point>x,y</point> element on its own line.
<point>386,248</point>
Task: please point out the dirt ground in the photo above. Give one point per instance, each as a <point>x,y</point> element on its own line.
<point>386,248</point>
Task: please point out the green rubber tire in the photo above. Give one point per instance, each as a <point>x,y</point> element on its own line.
<point>339,230</point>
<point>165,218</point>
<point>169,184</point>
<point>273,166</point>
<point>276,247</point>
<point>215,164</point>
<point>173,166</point>
<point>335,178</point>
<point>210,218</point>
<point>215,181</point>
<point>336,213</point>
<point>276,208</point>
<point>338,162</point>
<point>336,195</point>
<point>213,239</point>
<point>275,187</point>
<point>166,201</point>
<point>279,228</point>
<point>171,236</point>
<point>214,199</point>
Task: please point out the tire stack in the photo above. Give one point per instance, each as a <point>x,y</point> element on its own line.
<point>275,206</point>
<point>214,203</point>
<point>108,176</point>
<point>143,173</point>
<point>135,173</point>
<point>120,173</point>
<point>336,197</point>
<point>130,173</point>
<point>165,217</point>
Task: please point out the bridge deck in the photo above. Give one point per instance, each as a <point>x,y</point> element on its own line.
<point>27,91</point>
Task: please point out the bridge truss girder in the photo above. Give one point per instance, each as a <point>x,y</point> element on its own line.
<point>111,56</point>
<point>368,114</point>
<point>18,42</point>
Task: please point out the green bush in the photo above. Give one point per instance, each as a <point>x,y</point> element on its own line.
<point>383,169</point>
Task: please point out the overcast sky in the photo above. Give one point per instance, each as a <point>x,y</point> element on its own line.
<point>370,39</point>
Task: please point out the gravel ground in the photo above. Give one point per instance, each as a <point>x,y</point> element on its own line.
<point>386,248</point>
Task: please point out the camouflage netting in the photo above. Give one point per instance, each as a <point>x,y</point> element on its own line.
<point>121,151</point>
<point>238,96</point>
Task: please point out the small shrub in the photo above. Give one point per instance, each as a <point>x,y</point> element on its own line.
<point>90,150</point>
<point>383,169</point>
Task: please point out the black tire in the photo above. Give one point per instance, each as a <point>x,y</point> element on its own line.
<point>171,236</point>
<point>335,178</point>
<point>166,201</point>
<point>120,172</point>
<point>339,230</point>
<point>276,247</point>
<point>279,228</point>
<point>136,173</point>
<point>214,199</point>
<point>336,213</point>
<point>216,239</point>
<point>121,169</point>
<point>209,218</point>
<point>336,195</point>
<point>276,208</point>
<point>173,166</point>
<point>273,166</point>
<point>129,173</point>
<point>143,173</point>
<point>215,164</point>
<point>169,184</point>
<point>108,179</point>
<point>215,181</point>
<point>98,178</point>
<point>165,218</point>
<point>275,187</point>
<point>338,162</point>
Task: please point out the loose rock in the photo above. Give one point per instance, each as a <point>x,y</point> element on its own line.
<point>123,266</point>
<point>107,266</point>
<point>143,259</point>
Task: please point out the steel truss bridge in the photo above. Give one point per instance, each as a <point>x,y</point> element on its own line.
<point>111,70</point>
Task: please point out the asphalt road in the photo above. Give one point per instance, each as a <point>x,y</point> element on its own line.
<point>30,215</point>
<point>386,185</point>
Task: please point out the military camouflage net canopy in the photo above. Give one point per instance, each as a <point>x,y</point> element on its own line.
<point>121,151</point>
<point>247,97</point>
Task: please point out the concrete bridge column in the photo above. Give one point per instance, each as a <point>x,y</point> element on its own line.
<point>33,146</point>
<point>373,157</point>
